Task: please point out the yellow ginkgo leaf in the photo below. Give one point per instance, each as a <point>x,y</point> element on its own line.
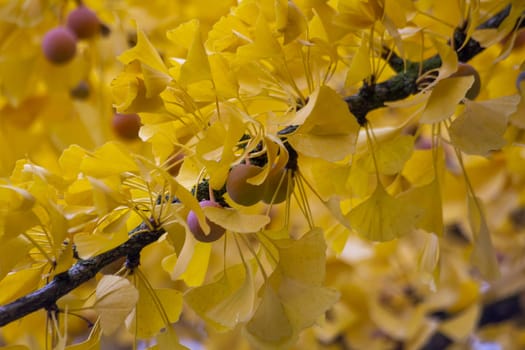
<point>449,59</point>
<point>92,342</point>
<point>317,170</point>
<point>444,98</point>
<point>91,244</point>
<point>16,211</point>
<point>305,303</point>
<point>328,129</point>
<point>191,264</point>
<point>115,299</point>
<point>460,327</point>
<point>400,12</point>
<point>238,306</point>
<point>429,258</point>
<point>490,36</point>
<point>70,161</point>
<point>129,94</point>
<point>518,117</point>
<point>428,198</point>
<point>484,254</point>
<point>293,23</point>
<point>303,259</point>
<point>227,301</point>
<point>227,33</point>
<point>15,198</point>
<point>264,45</point>
<point>12,251</point>
<point>236,221</point>
<point>106,194</point>
<point>167,339</point>
<point>323,25</point>
<point>155,310</point>
<point>20,283</point>
<point>382,217</point>
<point>144,52</point>
<point>420,169</point>
<point>360,67</point>
<point>216,149</point>
<point>197,66</point>
<point>481,127</point>
<point>183,35</point>
<point>277,156</point>
<point>359,14</point>
<point>155,82</point>
<point>110,159</point>
<point>390,155</point>
<point>270,327</point>
<point>189,200</point>
<point>224,78</point>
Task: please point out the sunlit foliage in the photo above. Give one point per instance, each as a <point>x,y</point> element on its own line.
<point>381,199</point>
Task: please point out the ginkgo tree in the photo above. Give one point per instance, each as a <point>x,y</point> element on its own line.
<point>261,174</point>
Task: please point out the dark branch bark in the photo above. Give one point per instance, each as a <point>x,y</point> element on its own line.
<point>404,84</point>
<point>81,272</point>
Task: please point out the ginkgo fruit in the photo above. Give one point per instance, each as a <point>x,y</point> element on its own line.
<point>80,91</point>
<point>59,45</point>
<point>216,231</point>
<point>83,22</point>
<point>237,186</point>
<point>277,184</point>
<point>465,69</point>
<point>126,126</point>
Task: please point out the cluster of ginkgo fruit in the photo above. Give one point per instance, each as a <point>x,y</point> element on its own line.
<point>274,189</point>
<point>59,46</point>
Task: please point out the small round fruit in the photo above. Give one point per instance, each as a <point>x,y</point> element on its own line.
<point>83,22</point>
<point>80,91</point>
<point>240,191</point>
<point>519,80</point>
<point>59,45</point>
<point>126,126</point>
<point>465,69</point>
<point>275,187</point>
<point>216,231</point>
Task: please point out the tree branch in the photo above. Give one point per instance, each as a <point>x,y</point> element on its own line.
<point>369,97</point>
<point>404,84</point>
<point>81,272</point>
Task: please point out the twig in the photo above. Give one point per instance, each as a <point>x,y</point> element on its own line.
<point>47,296</point>
<point>404,83</point>
<point>368,98</point>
